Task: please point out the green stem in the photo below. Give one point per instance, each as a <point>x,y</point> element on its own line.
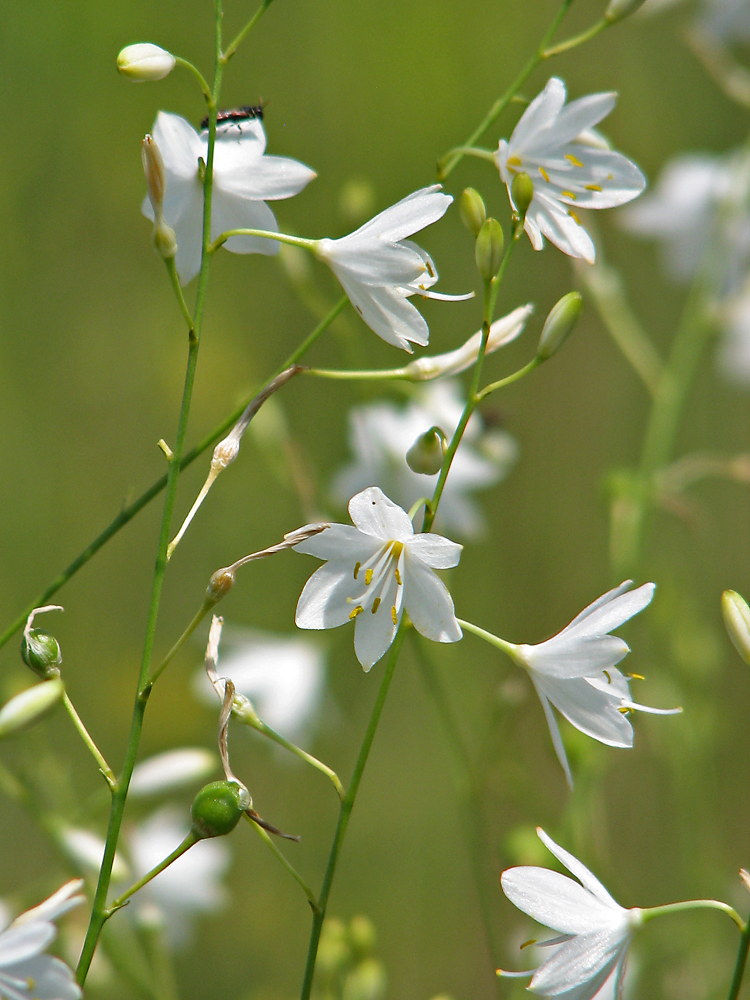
<point>363,375</point>
<point>92,747</point>
<point>287,864</point>
<point>576,40</point>
<point>509,379</point>
<point>494,640</point>
<point>447,168</point>
<point>264,234</point>
<point>207,605</point>
<point>739,968</point>
<point>99,913</point>
<point>261,727</point>
<point>346,808</point>
<point>192,838</point>
<point>175,279</point>
<point>245,31</point>
<point>313,336</point>
<point>693,904</point>
<point>197,74</point>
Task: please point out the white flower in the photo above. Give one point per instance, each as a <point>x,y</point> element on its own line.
<point>171,771</point>
<point>283,677</point>
<point>244,179</point>
<point>569,172</point>
<point>379,268</point>
<point>594,930</point>
<point>27,974</point>
<point>380,434</point>
<point>575,671</point>
<point>725,20</point>
<point>189,886</point>
<point>374,571</point>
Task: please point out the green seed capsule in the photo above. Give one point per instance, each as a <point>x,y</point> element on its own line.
<point>737,620</point>
<point>488,251</point>
<point>472,211</point>
<point>522,191</point>
<point>218,808</point>
<point>563,316</point>
<point>41,652</point>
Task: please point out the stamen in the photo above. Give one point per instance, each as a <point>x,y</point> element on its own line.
<point>528,943</point>
<point>394,615</point>
<point>375,605</point>
<point>568,194</point>
<point>358,611</point>
<point>573,216</point>
<point>625,711</point>
<point>636,677</point>
<point>398,576</point>
<point>544,174</point>
<point>514,161</point>
<point>368,577</point>
<point>576,162</point>
<point>357,568</point>
<point>607,675</point>
<point>592,187</point>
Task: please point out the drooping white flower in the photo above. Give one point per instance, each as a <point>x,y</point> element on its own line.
<point>550,143</point>
<point>381,433</point>
<point>374,571</point>
<point>379,268</point>
<point>576,671</point>
<point>244,179</point>
<point>283,677</point>
<point>594,931</point>
<point>26,973</point>
<point>188,887</point>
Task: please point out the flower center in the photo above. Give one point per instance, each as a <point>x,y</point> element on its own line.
<point>377,575</point>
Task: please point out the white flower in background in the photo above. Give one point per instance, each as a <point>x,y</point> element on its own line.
<point>374,571</point>
<point>594,931</point>
<point>188,887</point>
<point>734,351</point>
<point>725,20</point>
<point>244,179</point>
<point>380,434</point>
<point>86,850</point>
<point>26,973</point>
<point>283,677</point>
<point>172,771</point>
<point>575,671</point>
<point>379,268</point>
<point>569,169</point>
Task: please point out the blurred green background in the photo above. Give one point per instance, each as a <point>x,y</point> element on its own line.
<point>91,368</point>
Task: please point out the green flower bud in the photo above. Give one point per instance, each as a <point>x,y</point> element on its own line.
<point>334,951</point>
<point>472,211</point>
<point>218,808</point>
<point>522,191</point>
<point>41,652</point>
<point>362,935</point>
<point>618,9</point>
<point>426,454</point>
<point>563,316</point>
<point>737,620</point>
<point>368,981</point>
<point>488,251</point>
<point>145,61</point>
<point>28,706</point>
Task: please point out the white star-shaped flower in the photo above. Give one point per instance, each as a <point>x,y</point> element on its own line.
<point>26,973</point>
<point>374,571</point>
<point>380,434</point>
<point>569,169</point>
<point>379,268</point>
<point>594,930</point>
<point>575,671</point>
<point>244,179</point>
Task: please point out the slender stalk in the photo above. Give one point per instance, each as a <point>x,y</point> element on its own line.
<point>494,640</point>
<point>365,374</point>
<point>346,809</point>
<point>192,838</point>
<point>693,904</point>
<point>739,968</point>
<point>509,379</point>
<point>264,234</point>
<point>261,727</point>
<point>287,864</point>
<point>92,747</point>
<point>197,74</point>
<point>245,31</point>
<point>100,913</point>
<point>576,40</point>
<point>207,606</point>
<point>445,169</point>
<point>177,288</point>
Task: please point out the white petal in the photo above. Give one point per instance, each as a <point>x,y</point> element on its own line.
<point>418,210</point>
<point>603,617</point>
<point>588,958</point>
<point>179,144</point>
<point>588,709</point>
<point>581,872</point>
<point>435,551</point>
<point>342,542</point>
<point>239,147</point>
<point>575,656</point>
<point>52,979</point>
<point>539,115</point>
<point>268,179</point>
<point>554,731</point>
<point>171,770</point>
<point>373,263</point>
<point>229,211</point>
<point>555,900</point>
<point>560,228</point>
<point>374,633</point>
<point>600,602</point>
<point>578,116</point>
<point>374,514</point>
<point>188,228</point>
<point>19,943</point>
<point>386,312</point>
<point>323,601</point>
<point>428,602</point>
<point>66,898</point>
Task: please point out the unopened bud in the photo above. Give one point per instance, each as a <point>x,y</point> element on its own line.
<point>28,706</point>
<point>362,935</point>
<point>563,316</point>
<point>737,620</point>
<point>220,584</point>
<point>153,168</point>
<point>618,9</point>
<point>745,876</point>
<point>522,191</point>
<point>218,808</point>
<point>488,251</point>
<point>164,239</point>
<point>472,211</point>
<point>368,981</point>
<point>39,650</point>
<point>426,454</point>
<point>145,61</point>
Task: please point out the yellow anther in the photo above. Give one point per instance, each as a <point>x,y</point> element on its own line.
<point>573,216</point>
<point>623,710</point>
<point>514,161</point>
<point>398,576</point>
<point>606,674</point>
<point>636,677</point>
<point>357,611</point>
<point>610,177</point>
<point>528,943</point>
<point>592,187</point>
<point>576,162</point>
<point>357,568</point>
<point>375,605</point>
<point>544,174</point>
<point>368,577</point>
<point>568,194</point>
<point>394,615</point>
<point>397,548</point>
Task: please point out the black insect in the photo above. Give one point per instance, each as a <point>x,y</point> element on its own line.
<point>234,115</point>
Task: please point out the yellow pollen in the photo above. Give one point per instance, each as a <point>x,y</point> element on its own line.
<point>514,161</point>
<point>623,710</point>
<point>526,944</point>
<point>357,611</point>
<point>397,548</point>
<point>568,194</point>
<point>398,576</point>
<point>357,568</point>
<point>636,677</point>
<point>573,160</point>
<point>375,605</point>
<point>368,577</point>
<point>606,674</point>
<point>394,615</point>
<point>573,216</point>
<point>592,187</point>
<point>544,174</point>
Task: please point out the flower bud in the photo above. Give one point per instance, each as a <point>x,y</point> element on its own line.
<point>488,250</point>
<point>522,191</point>
<point>145,61</point>
<point>164,239</point>
<point>737,620</point>
<point>563,316</point>
<point>618,9</point>
<point>368,981</point>
<point>472,211</point>
<point>362,935</point>
<point>41,652</point>
<point>30,705</point>
<point>220,584</point>
<point>153,168</point>
<point>218,808</point>
<point>426,454</point>
<point>334,951</point>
